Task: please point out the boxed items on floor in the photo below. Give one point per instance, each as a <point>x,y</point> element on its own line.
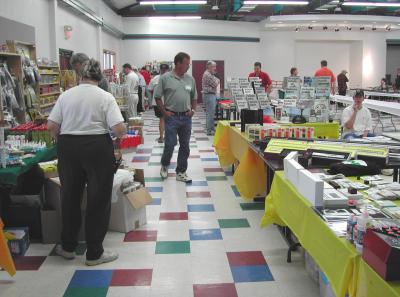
<point>51,213</point>
<point>17,240</point>
<point>128,212</point>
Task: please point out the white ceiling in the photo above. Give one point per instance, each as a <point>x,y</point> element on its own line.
<point>118,4</point>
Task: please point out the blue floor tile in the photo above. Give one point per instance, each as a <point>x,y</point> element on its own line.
<point>198,183</point>
<point>209,159</point>
<point>155,189</point>
<point>140,159</point>
<point>229,173</point>
<point>156,201</point>
<point>91,279</point>
<point>235,191</point>
<point>205,234</point>
<point>253,273</point>
<point>200,207</point>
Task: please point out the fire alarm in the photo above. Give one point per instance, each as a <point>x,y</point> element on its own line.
<point>67,32</point>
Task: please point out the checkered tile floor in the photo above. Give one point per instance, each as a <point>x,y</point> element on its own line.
<point>201,240</point>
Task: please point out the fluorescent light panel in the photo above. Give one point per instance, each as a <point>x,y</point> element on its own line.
<point>181,17</point>
<point>271,2</point>
<point>168,2</point>
<point>372,4</point>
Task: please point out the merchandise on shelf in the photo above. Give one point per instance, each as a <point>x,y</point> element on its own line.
<point>33,132</point>
<point>257,132</point>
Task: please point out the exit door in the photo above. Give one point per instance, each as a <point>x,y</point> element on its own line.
<point>198,68</point>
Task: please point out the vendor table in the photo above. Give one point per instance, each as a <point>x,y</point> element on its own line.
<point>337,258</point>
<point>250,176</point>
<point>10,175</point>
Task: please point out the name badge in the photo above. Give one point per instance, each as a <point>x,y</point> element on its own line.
<point>188,88</point>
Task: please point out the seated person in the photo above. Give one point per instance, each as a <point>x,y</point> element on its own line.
<point>356,119</point>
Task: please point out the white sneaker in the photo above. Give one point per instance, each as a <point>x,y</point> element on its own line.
<point>183,177</point>
<point>164,172</point>
<point>66,255</point>
<point>106,257</point>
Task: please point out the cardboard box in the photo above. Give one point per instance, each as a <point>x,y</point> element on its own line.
<point>129,212</point>
<point>18,247</point>
<point>311,187</point>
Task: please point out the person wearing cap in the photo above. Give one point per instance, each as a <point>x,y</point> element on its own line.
<point>132,81</point>
<point>153,84</point>
<point>180,101</point>
<point>325,71</point>
<point>209,89</point>
<point>80,121</point>
<point>342,81</point>
<point>77,61</point>
<point>356,119</point>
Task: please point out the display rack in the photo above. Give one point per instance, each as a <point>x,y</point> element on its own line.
<point>14,64</point>
<point>48,88</point>
<point>24,48</point>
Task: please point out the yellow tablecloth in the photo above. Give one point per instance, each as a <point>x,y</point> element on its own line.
<point>6,261</point>
<point>250,175</point>
<point>335,256</point>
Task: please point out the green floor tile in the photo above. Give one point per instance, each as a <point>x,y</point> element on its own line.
<point>173,247</point>
<point>153,179</point>
<point>252,206</point>
<point>86,292</point>
<point>154,163</point>
<point>193,146</point>
<point>156,154</point>
<point>233,223</point>
<point>216,178</point>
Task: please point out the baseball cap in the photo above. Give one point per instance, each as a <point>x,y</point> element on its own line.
<point>359,93</point>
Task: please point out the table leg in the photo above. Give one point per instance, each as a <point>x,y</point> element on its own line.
<point>395,174</point>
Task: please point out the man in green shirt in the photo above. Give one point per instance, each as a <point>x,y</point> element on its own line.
<point>180,100</point>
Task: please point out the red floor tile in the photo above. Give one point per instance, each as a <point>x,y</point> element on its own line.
<point>171,174</point>
<point>170,216</point>
<point>140,235</point>
<point>246,258</point>
<point>144,151</point>
<point>131,277</point>
<point>206,151</point>
<point>28,262</point>
<point>198,195</point>
<point>213,170</point>
<point>215,290</point>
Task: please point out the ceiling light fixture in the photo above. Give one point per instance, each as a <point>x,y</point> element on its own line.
<point>388,28</point>
<point>336,29</point>
<point>178,2</point>
<point>313,21</point>
<point>372,4</point>
<point>348,28</point>
<point>310,27</point>
<point>325,28</point>
<point>362,28</point>
<point>178,17</point>
<point>373,28</point>
<point>322,9</point>
<point>297,29</point>
<point>277,2</point>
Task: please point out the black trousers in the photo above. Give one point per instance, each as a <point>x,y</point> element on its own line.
<point>140,103</point>
<point>85,160</point>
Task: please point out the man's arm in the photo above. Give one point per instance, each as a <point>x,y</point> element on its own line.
<point>349,124</point>
<point>54,128</point>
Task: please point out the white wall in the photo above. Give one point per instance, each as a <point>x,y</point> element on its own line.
<point>238,56</point>
<point>336,53</point>
<point>278,52</point>
<point>34,13</point>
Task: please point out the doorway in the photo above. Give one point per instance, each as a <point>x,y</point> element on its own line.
<point>198,68</point>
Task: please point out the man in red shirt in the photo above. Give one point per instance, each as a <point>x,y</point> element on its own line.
<point>325,71</point>
<point>146,75</point>
<point>265,79</point>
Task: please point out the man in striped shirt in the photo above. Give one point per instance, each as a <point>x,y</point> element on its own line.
<point>209,89</point>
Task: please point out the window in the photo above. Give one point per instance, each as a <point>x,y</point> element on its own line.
<point>108,59</point>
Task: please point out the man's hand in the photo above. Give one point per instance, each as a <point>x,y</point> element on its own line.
<point>167,114</point>
<point>190,113</point>
<point>355,108</point>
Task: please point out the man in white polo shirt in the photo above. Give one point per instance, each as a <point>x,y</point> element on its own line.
<point>356,119</point>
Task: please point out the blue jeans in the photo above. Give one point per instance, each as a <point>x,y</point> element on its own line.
<point>211,101</point>
<point>353,135</point>
<point>181,126</point>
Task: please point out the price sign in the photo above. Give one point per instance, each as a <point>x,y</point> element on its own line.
<point>248,91</point>
<point>253,102</point>
<point>263,100</point>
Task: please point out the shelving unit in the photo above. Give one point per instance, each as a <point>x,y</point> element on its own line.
<point>49,88</point>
